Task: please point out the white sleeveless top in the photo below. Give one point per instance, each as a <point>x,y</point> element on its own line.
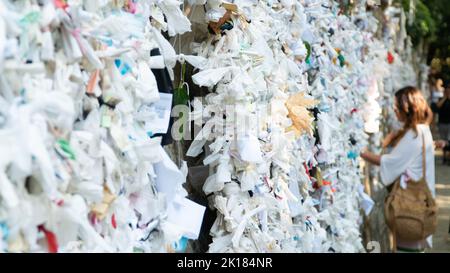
<point>406,159</point>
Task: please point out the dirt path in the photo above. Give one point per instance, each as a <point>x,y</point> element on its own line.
<point>441,241</point>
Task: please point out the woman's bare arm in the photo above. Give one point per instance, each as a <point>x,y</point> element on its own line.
<point>441,102</point>
<point>371,157</point>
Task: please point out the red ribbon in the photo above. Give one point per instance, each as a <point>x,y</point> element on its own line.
<point>113,221</point>
<point>307,170</point>
<point>93,219</point>
<point>325,183</point>
<point>390,58</point>
<point>131,6</point>
<point>51,239</point>
<point>61,4</point>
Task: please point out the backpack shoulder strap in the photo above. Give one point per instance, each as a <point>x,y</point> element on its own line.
<point>424,163</point>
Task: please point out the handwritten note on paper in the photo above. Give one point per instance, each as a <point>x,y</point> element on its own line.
<point>162,108</point>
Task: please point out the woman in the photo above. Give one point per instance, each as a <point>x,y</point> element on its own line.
<point>405,158</point>
<point>437,92</point>
<point>443,107</point>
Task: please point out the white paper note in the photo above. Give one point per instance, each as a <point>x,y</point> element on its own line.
<point>162,108</point>
<point>187,216</point>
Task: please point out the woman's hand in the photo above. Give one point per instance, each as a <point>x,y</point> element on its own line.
<point>440,144</point>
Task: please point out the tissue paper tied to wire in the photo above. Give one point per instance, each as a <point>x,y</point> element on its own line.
<point>81,170</point>
<point>292,182</point>
<point>85,95</point>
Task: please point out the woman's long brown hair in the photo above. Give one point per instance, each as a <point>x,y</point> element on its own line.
<point>414,109</point>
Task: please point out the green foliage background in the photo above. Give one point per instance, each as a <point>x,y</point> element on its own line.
<point>432,26</point>
<point>425,25</point>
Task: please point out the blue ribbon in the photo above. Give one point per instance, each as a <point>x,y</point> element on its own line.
<point>5,230</point>
<point>352,155</point>
<point>123,67</point>
<point>181,245</point>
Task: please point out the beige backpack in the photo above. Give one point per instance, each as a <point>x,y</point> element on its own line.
<point>411,213</point>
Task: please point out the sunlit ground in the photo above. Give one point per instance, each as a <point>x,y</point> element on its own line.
<point>441,241</point>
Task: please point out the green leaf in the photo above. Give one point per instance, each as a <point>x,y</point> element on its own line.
<point>181,96</point>
<point>65,146</point>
